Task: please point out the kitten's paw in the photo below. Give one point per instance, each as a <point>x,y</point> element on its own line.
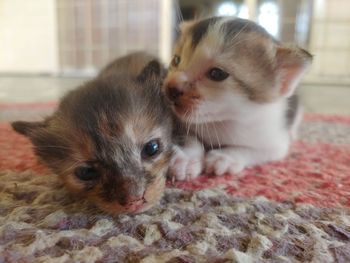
<point>219,163</point>
<point>184,167</point>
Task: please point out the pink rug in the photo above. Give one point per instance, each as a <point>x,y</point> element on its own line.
<point>40,222</point>
<point>317,170</point>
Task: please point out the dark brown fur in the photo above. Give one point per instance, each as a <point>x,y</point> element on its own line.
<point>105,123</point>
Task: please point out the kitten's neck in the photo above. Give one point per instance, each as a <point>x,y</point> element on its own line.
<point>254,126</point>
<point>257,113</point>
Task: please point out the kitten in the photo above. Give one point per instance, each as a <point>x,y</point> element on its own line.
<point>110,139</point>
<point>233,85</point>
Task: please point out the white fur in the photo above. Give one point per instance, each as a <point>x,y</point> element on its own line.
<point>187,161</point>
<point>257,136</point>
<point>236,131</point>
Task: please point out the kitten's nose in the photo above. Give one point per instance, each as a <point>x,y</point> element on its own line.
<point>174,93</point>
<point>128,200</point>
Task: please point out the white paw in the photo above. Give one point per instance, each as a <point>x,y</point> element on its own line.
<point>183,166</point>
<point>218,162</point>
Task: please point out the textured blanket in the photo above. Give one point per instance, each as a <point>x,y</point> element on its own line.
<point>304,215</point>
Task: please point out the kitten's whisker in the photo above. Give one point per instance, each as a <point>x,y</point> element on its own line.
<point>187,121</point>
<point>179,18</point>
<point>216,134</point>
<point>201,131</point>
<point>211,143</point>
<point>191,121</point>
<point>239,32</point>
<point>252,39</point>
<point>70,167</point>
<point>178,11</point>
<point>196,117</point>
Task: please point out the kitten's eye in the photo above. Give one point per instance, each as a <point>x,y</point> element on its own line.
<point>175,61</point>
<point>86,173</point>
<point>217,74</point>
<point>150,149</point>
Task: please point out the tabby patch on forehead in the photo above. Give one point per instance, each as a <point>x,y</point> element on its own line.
<point>233,27</point>
<point>200,29</point>
<point>229,28</point>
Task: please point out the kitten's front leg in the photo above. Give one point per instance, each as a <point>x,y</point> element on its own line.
<point>187,160</point>
<point>235,159</point>
<point>226,160</point>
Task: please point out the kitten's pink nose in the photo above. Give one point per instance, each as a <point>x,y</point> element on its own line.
<point>175,85</point>
<point>134,203</point>
<point>174,93</point>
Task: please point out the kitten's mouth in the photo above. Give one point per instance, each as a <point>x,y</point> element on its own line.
<point>137,206</point>
<point>182,109</point>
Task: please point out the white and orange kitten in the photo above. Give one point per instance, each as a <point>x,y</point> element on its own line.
<point>233,86</point>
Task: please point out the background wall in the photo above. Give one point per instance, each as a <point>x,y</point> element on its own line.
<point>330,41</point>
<point>320,26</point>
<point>93,32</point>
<point>77,37</point>
<point>28,38</point>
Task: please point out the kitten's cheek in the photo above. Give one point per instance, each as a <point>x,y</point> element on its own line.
<point>155,190</point>
<point>73,184</point>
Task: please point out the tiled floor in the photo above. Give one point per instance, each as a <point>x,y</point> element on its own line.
<point>331,99</point>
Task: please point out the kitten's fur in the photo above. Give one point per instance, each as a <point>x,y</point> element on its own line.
<point>104,125</point>
<point>246,119</point>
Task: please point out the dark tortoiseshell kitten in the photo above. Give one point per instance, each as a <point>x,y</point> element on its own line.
<point>110,139</point>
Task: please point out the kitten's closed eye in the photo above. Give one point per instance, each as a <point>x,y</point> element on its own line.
<point>86,173</point>
<point>217,74</point>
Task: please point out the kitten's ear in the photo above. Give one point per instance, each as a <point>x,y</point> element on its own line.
<point>153,70</point>
<point>292,63</point>
<point>49,145</point>
<point>27,128</point>
<point>186,24</point>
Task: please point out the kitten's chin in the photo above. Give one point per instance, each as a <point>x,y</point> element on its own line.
<point>200,118</point>
<point>135,208</point>
<point>117,209</point>
<point>152,195</point>
<point>199,114</point>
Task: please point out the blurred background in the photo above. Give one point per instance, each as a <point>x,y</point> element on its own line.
<point>50,46</point>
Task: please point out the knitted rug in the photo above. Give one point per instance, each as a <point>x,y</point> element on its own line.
<point>296,210</point>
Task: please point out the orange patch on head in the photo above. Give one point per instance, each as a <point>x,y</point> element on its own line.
<point>104,126</point>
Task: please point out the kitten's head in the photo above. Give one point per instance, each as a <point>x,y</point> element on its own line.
<point>109,140</point>
<point>223,64</point>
